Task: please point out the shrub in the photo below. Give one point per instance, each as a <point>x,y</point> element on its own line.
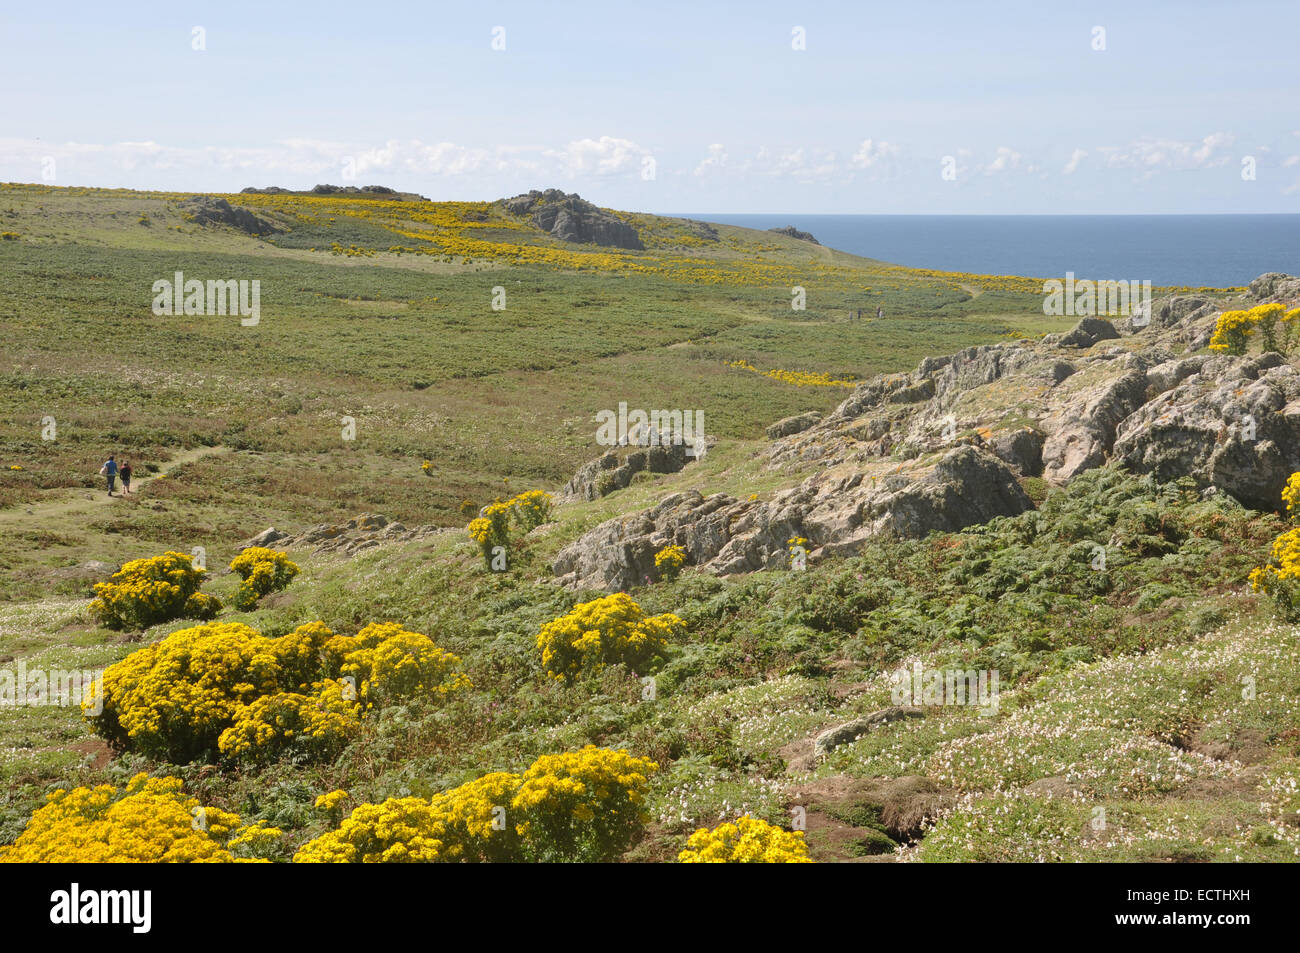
<point>149,821</point>
<point>748,841</point>
<point>1275,325</point>
<point>531,509</point>
<point>226,688</point>
<point>492,526</point>
<point>582,806</point>
<point>602,632</point>
<point>315,727</point>
<point>264,571</point>
<point>1280,576</point>
<point>391,663</point>
<point>399,831</point>
<point>669,562</point>
<point>173,699</point>
<point>146,592</point>
<point>1291,496</point>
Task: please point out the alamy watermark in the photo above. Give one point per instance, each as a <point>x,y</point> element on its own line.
<point>654,428</point>
<point>1088,298</point>
<point>917,687</point>
<point>24,687</point>
<point>192,296</point>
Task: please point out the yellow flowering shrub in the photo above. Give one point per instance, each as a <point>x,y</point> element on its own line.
<point>145,592</point>
<point>226,688</point>
<point>1280,576</point>
<point>585,805</point>
<point>1272,322</point>
<point>264,571</point>
<point>312,726</point>
<point>476,820</point>
<point>400,831</point>
<point>669,562</point>
<point>1291,495</point>
<point>748,841</point>
<point>150,821</point>
<point>391,663</point>
<point>532,508</point>
<point>491,528</point>
<point>605,631</point>
<point>174,698</point>
<point>332,800</point>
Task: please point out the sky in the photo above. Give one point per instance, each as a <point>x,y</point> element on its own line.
<point>691,107</point>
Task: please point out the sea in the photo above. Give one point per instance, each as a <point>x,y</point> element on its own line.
<point>1217,251</point>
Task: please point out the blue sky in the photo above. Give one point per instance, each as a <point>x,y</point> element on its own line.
<point>686,107</point>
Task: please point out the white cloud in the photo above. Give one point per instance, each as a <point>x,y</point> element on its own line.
<point>295,159</point>
<point>1152,154</point>
<point>715,160</point>
<point>1072,166</point>
<point>870,153</point>
<point>1005,159</point>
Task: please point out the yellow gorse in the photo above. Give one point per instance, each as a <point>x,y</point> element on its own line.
<point>226,688</point>
<point>150,821</point>
<point>669,562</point>
<point>583,804</point>
<point>608,631</point>
<point>748,841</point>
<point>264,571</point>
<point>145,592</point>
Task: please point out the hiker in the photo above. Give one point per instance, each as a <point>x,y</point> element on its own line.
<point>125,473</point>
<point>109,470</point>
<point>880,313</point>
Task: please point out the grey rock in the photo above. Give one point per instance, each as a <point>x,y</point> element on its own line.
<point>1088,332</point>
<point>571,218</point>
<point>792,425</point>
<point>851,731</point>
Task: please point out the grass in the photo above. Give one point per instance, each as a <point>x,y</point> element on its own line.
<point>1121,686</point>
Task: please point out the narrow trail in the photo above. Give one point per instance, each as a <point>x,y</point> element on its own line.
<point>72,501</point>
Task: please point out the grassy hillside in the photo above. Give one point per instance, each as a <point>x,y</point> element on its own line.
<point>1122,686</point>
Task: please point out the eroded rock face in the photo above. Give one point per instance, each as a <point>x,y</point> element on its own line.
<point>835,515</point>
<point>943,447</point>
<point>206,210</point>
<point>571,218</point>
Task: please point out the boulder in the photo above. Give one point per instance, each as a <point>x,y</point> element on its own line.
<point>1088,332</point>
<point>851,731</point>
<point>790,425</point>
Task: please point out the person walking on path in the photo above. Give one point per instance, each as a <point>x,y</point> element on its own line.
<point>109,470</point>
<point>125,473</point>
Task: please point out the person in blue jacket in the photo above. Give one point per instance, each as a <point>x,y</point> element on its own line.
<point>109,469</point>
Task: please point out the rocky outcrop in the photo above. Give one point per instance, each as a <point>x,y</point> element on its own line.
<point>946,445</point>
<point>792,232</point>
<point>571,218</point>
<point>835,514</point>
<point>206,210</point>
<point>347,538</point>
<point>851,731</point>
<point>615,470</point>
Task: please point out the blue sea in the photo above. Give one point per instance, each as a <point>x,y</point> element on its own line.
<point>1193,250</point>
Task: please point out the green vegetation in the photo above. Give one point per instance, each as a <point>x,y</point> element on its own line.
<point>1145,713</point>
